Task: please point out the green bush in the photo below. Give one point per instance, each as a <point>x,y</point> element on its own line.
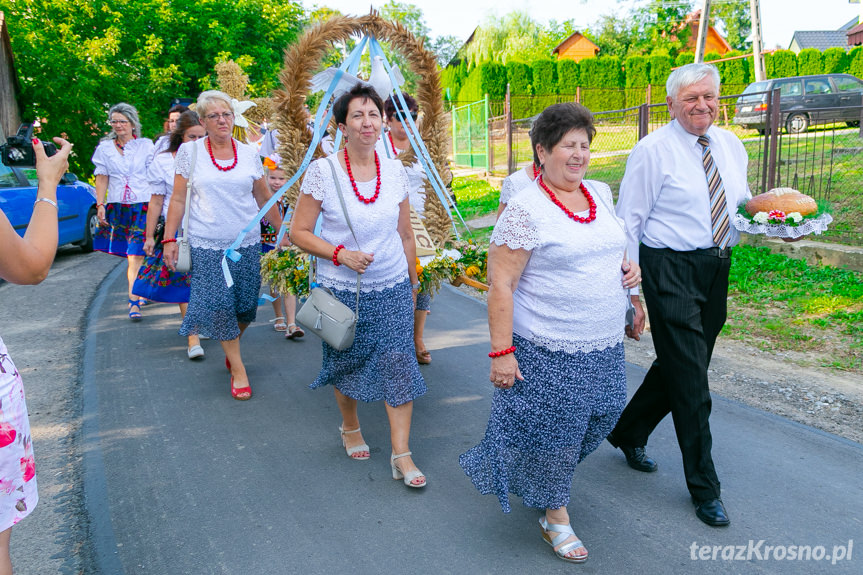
<point>855,61</point>
<point>809,62</point>
<point>660,69</point>
<point>487,78</point>
<point>711,56</point>
<point>834,61</point>
<point>734,72</point>
<point>471,90</point>
<point>637,72</point>
<point>781,64</point>
<point>544,84</point>
<point>567,76</point>
<point>603,79</point>
<point>518,75</point>
<point>684,58</point>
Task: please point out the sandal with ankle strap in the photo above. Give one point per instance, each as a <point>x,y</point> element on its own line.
<point>294,331</point>
<point>351,451</point>
<point>279,324</point>
<point>410,475</point>
<point>563,533</point>
<point>135,315</point>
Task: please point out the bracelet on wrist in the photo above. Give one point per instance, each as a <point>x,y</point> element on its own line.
<point>416,286</point>
<point>169,241</point>
<point>339,248</point>
<point>47,201</point>
<point>100,205</point>
<point>506,351</point>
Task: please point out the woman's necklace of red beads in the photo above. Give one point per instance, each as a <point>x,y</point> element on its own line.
<point>392,144</point>
<point>372,199</point>
<point>213,156</point>
<point>536,171</point>
<point>123,146</point>
<point>591,216</point>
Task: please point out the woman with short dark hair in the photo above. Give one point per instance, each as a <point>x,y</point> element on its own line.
<point>556,308</point>
<point>381,363</point>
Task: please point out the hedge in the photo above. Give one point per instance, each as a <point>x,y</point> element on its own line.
<point>834,60</point>
<point>809,62</point>
<point>660,69</point>
<point>544,84</point>
<point>487,78</point>
<point>519,76</point>
<point>637,72</point>
<point>855,62</point>
<point>567,76</point>
<point>684,58</point>
<point>781,64</point>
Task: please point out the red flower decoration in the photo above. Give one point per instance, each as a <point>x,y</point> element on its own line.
<point>776,215</point>
<point>28,466</point>
<point>7,434</point>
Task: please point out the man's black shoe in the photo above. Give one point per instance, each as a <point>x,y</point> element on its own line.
<point>712,512</point>
<point>636,457</point>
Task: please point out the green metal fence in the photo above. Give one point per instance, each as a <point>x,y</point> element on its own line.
<point>470,134</point>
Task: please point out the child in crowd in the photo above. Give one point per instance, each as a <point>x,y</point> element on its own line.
<point>285,307</point>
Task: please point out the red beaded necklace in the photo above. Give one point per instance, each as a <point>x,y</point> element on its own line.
<point>392,144</point>
<point>536,170</point>
<point>122,147</point>
<point>558,203</point>
<point>213,156</point>
<point>372,199</point>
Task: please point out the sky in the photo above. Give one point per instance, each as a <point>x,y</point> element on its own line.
<point>779,18</point>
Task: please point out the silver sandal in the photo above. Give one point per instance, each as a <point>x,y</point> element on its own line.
<point>563,533</point>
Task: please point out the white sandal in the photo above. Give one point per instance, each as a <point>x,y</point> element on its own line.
<point>279,324</point>
<point>410,475</point>
<point>563,533</point>
<point>356,448</point>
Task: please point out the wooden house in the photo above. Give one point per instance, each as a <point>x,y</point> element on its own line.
<point>715,42</point>
<point>576,47</point>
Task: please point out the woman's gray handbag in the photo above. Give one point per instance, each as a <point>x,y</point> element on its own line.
<point>184,250</point>
<point>323,314</point>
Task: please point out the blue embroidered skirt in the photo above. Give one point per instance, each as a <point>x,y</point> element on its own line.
<point>381,364</point>
<point>423,301</point>
<point>124,234</point>
<point>157,283</point>
<point>540,428</point>
<point>215,310</point>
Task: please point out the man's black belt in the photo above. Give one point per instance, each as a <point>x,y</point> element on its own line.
<point>723,253</point>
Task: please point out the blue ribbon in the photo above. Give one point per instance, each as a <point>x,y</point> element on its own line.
<point>321,121</point>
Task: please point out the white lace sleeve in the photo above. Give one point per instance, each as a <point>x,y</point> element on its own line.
<point>258,171</point>
<point>100,161</point>
<point>516,229</point>
<point>315,183</point>
<point>404,182</point>
<point>506,190</point>
<point>183,160</point>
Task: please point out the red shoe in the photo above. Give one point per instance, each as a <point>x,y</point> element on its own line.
<point>241,393</point>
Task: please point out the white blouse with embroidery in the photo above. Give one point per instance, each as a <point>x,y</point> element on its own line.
<point>570,296</point>
<point>514,183</point>
<point>222,203</point>
<point>375,225</point>
<point>127,172</point>
<point>161,176</point>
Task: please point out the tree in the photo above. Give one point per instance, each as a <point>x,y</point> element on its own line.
<point>734,19</point>
<point>76,57</point>
<point>446,48</point>
<point>515,36</point>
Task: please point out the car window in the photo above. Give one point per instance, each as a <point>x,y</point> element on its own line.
<point>818,87</point>
<point>848,84</point>
<point>750,93</point>
<point>30,174</point>
<point>8,178</point>
<point>789,89</point>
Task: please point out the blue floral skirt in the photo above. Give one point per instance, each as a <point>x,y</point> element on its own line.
<point>215,310</point>
<point>381,364</point>
<point>542,427</point>
<point>158,283</point>
<point>124,234</point>
<point>423,301</point>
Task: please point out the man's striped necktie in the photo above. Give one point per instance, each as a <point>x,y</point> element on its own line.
<point>718,206</point>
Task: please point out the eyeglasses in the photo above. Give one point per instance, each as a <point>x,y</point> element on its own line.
<point>224,115</point>
<point>116,122</point>
<point>414,115</point>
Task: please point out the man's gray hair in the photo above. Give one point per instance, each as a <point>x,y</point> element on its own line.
<point>688,75</point>
<point>130,113</point>
<point>208,99</point>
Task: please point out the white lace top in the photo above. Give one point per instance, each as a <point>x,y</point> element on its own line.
<point>127,172</point>
<point>570,296</point>
<point>515,182</point>
<point>161,176</point>
<point>376,224</point>
<point>222,203</point>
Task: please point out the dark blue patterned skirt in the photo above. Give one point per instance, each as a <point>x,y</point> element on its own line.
<point>158,283</point>
<point>381,364</point>
<point>215,310</point>
<point>542,427</point>
<point>423,301</point>
<point>124,234</point>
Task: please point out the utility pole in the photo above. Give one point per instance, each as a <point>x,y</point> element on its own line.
<point>703,27</point>
<point>755,16</point>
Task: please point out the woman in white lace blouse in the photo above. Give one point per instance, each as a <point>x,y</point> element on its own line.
<point>556,309</point>
<point>381,364</point>
<point>228,189</point>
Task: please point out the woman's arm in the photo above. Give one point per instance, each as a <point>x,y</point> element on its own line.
<point>408,241</point>
<point>505,267</point>
<point>176,209</point>
<point>303,236</point>
<point>262,194</point>
<point>101,197</point>
<point>27,260</point>
<point>154,210</point>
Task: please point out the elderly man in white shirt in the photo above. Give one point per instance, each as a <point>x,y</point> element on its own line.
<point>682,185</point>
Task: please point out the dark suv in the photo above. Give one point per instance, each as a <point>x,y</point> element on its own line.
<point>804,100</point>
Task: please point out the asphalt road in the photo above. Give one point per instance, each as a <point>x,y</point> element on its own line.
<point>180,478</point>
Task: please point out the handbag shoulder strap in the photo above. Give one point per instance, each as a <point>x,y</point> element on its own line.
<point>189,188</point>
<point>348,220</point>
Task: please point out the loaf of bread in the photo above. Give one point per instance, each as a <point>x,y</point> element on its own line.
<point>785,200</point>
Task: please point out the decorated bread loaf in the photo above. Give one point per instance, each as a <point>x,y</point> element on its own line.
<point>785,200</point>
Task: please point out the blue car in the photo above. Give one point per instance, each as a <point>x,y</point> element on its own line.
<point>76,201</point>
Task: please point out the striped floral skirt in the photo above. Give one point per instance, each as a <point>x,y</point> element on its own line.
<point>215,310</point>
<point>158,283</point>
<point>381,364</point>
<point>542,427</point>
<point>124,234</point>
